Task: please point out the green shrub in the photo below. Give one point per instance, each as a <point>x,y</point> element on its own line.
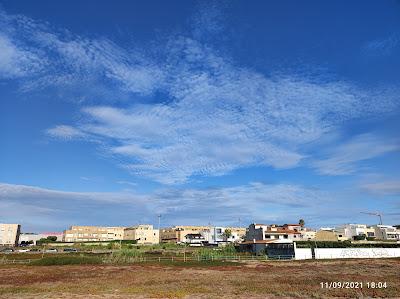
<point>343,244</point>
<point>124,256</point>
<point>66,260</point>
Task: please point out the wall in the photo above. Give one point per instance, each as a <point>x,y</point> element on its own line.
<point>303,253</point>
<point>340,253</point>
<point>327,253</point>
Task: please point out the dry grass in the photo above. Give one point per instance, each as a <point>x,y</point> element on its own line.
<point>249,280</point>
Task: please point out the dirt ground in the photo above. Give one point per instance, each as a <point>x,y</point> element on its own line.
<point>246,280</point>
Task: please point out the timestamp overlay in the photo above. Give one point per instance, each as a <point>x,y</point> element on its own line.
<point>354,284</point>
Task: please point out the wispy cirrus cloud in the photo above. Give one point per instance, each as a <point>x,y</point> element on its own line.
<point>207,116</point>
<point>221,205</point>
<point>385,187</point>
<point>42,208</point>
<point>383,46</point>
<point>15,61</point>
<point>344,159</point>
<point>65,132</point>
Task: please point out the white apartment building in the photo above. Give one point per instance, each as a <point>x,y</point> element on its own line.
<point>349,231</point>
<point>216,234</point>
<point>9,234</point>
<point>262,232</point>
<point>386,232</point>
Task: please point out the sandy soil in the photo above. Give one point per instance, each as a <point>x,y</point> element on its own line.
<point>248,280</point>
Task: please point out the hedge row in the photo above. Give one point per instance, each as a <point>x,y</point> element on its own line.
<point>343,244</point>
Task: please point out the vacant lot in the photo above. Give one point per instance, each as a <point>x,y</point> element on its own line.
<point>200,280</point>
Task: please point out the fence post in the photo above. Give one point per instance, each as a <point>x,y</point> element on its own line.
<point>159,259</point>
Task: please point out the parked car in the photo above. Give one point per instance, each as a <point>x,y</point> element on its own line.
<point>51,250</point>
<point>70,250</point>
<point>7,250</point>
<point>23,250</point>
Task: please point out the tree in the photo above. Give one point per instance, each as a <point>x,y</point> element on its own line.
<point>301,222</point>
<point>49,239</point>
<point>227,234</point>
<point>359,237</point>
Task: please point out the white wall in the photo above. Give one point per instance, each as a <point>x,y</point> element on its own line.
<point>335,253</point>
<point>303,253</point>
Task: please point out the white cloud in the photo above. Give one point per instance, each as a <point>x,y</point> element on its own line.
<point>15,61</point>
<point>344,159</point>
<point>127,183</point>
<point>209,116</point>
<point>383,46</point>
<point>65,132</point>
<point>222,205</point>
<point>388,187</point>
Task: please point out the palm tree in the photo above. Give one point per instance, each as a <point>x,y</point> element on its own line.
<point>227,234</point>
<point>301,222</point>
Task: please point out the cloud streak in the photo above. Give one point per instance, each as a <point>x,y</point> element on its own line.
<point>345,158</point>
<point>208,115</point>
<point>221,205</point>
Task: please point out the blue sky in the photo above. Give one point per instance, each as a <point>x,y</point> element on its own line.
<point>204,112</point>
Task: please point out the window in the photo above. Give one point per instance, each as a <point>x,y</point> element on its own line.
<point>285,236</point>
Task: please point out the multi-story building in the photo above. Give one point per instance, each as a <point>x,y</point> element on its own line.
<point>210,234</point>
<point>93,233</point>
<point>9,234</point>
<point>260,232</point>
<point>326,234</point>
<point>352,231</point>
<point>386,232</point>
<point>143,234</point>
<point>218,234</point>
<point>177,234</point>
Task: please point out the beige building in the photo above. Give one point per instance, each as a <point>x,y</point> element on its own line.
<point>9,234</point>
<point>326,235</point>
<point>93,233</point>
<point>143,234</point>
<point>177,234</point>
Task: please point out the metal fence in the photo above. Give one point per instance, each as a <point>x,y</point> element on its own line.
<point>144,259</point>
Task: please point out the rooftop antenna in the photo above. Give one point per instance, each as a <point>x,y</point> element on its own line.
<point>374,214</point>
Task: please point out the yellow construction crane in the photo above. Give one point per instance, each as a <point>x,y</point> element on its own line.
<point>374,214</point>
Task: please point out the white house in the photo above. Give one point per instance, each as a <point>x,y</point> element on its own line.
<point>258,232</point>
<point>216,234</point>
<point>386,232</point>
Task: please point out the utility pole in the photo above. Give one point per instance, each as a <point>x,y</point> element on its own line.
<point>159,221</point>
